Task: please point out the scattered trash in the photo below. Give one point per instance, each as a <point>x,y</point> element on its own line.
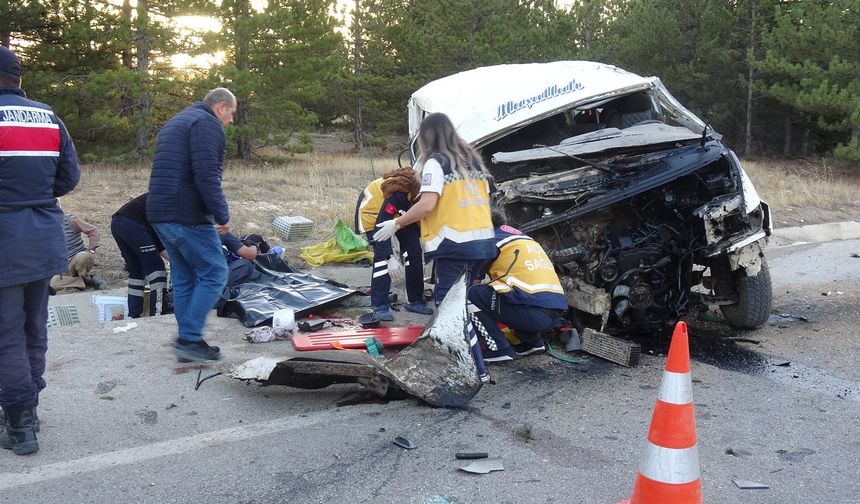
<point>404,443</point>
<point>782,318</point>
<point>551,352</point>
<point>260,334</point>
<point>855,254</point>
<point>284,320</point>
<point>63,315</point>
<point>374,347</point>
<point>574,341</point>
<point>201,380</point>
<point>368,320</point>
<point>125,328</point>
<point>794,456</point>
<point>783,364</point>
<point>438,367</point>
<point>746,340</point>
<point>484,466</point>
<point>749,485</point>
<point>311,325</point>
<point>832,293</point>
<point>711,316</point>
<point>471,455</point>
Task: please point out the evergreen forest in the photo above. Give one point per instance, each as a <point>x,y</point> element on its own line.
<point>775,77</point>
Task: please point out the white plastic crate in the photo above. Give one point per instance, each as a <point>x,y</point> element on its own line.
<point>111,307</point>
<point>292,228</point>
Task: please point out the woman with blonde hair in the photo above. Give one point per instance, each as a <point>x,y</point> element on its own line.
<point>453,207</point>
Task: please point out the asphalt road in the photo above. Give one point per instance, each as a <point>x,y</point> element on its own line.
<point>122,421</point>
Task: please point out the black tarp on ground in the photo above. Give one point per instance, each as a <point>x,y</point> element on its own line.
<point>277,285</point>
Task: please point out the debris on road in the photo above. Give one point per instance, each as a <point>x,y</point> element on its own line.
<point>437,368</point>
<point>404,443</point>
<point>617,350</point>
<point>484,466</point>
<point>126,328</point>
<point>749,485</point>
<point>471,455</point>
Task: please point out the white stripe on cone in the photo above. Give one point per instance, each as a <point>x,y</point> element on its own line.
<point>669,465</point>
<point>676,388</point>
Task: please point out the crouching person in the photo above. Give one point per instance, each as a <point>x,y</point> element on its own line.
<point>523,293</point>
<point>240,254</point>
<point>384,199</point>
<point>143,252</point>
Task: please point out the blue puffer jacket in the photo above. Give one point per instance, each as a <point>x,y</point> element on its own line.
<point>185,186</point>
<point>38,162</point>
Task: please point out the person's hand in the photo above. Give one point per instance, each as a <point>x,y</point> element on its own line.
<point>222,228</point>
<point>395,269</point>
<point>385,230</point>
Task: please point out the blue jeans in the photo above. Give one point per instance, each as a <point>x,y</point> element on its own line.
<point>199,272</point>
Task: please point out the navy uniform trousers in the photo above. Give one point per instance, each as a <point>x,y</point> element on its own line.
<point>23,342</point>
<point>136,243</point>
<point>409,239</point>
<point>527,321</point>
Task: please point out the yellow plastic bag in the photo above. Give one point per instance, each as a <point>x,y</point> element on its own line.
<point>346,247</point>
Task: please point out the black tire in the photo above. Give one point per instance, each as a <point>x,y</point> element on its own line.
<point>755,300</point>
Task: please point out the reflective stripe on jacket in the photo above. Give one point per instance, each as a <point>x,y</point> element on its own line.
<point>531,278</point>
<point>38,163</point>
<point>460,226</point>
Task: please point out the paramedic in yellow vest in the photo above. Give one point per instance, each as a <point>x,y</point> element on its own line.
<point>523,292</point>
<point>384,199</point>
<point>453,208</point>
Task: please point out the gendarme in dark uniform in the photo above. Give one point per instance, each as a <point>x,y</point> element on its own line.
<point>38,163</point>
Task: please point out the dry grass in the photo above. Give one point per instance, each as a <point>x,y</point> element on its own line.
<point>321,187</point>
<point>324,188</point>
<point>788,185</point>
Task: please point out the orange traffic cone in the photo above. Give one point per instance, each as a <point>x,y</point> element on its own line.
<point>669,467</point>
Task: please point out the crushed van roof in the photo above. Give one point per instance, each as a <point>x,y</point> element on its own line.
<point>486,101</point>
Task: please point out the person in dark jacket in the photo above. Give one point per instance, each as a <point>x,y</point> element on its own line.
<point>188,210</point>
<point>143,252</point>
<point>38,163</point>
<point>240,254</point>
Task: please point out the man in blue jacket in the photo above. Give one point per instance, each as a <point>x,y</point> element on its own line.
<point>38,163</point>
<point>187,208</point>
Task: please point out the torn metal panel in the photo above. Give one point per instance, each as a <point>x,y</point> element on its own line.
<point>600,141</point>
<point>716,215</point>
<point>749,258</point>
<point>438,367</point>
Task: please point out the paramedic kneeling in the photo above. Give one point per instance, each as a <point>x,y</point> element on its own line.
<point>523,293</point>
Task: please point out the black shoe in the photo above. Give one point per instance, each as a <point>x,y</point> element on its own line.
<point>20,433</point>
<point>195,351</point>
<point>526,348</point>
<point>37,422</point>
<point>502,355</point>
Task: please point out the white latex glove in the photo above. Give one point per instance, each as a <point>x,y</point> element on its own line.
<point>395,269</point>
<point>385,230</point>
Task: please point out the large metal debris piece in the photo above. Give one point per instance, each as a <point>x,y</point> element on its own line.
<point>438,367</point>
<point>617,350</point>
